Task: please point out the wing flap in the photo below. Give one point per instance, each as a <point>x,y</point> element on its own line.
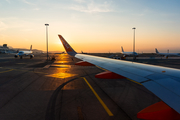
<point>174,86</point>
<point>164,93</point>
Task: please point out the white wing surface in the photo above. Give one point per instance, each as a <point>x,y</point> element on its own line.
<point>162,81</point>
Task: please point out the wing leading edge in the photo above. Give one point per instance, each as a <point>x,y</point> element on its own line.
<point>162,81</point>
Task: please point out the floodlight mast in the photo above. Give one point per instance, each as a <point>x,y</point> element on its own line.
<point>47,38</point>
<point>134,44</point>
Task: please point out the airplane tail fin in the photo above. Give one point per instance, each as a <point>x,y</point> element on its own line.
<point>31,48</point>
<point>122,49</point>
<point>67,47</point>
<point>156,50</point>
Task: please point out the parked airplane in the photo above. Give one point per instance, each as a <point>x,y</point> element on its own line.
<point>22,54</point>
<point>164,82</point>
<point>166,54</point>
<point>128,53</point>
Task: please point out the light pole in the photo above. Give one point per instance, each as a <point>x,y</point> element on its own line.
<point>47,38</point>
<point>134,44</point>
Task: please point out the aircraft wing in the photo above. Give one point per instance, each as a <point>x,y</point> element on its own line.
<point>162,81</point>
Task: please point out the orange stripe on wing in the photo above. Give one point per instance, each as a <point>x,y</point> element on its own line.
<point>65,44</point>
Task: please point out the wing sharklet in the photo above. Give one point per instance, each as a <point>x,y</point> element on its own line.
<point>67,47</point>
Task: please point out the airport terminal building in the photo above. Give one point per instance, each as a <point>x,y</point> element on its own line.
<point>5,49</point>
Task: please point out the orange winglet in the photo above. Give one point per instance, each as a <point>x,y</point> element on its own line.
<point>84,63</point>
<point>158,111</point>
<point>109,75</point>
<point>65,44</point>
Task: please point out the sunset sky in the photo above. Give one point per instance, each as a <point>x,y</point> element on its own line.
<point>91,25</point>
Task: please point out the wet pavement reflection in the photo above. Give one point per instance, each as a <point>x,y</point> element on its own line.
<point>61,66</point>
<point>61,73</point>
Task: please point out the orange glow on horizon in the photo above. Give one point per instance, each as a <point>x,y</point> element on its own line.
<point>99,44</point>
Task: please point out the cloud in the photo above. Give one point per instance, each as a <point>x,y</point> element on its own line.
<point>80,1</point>
<point>13,22</point>
<point>29,3</point>
<point>36,9</point>
<point>3,26</point>
<point>91,7</point>
<point>8,1</point>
